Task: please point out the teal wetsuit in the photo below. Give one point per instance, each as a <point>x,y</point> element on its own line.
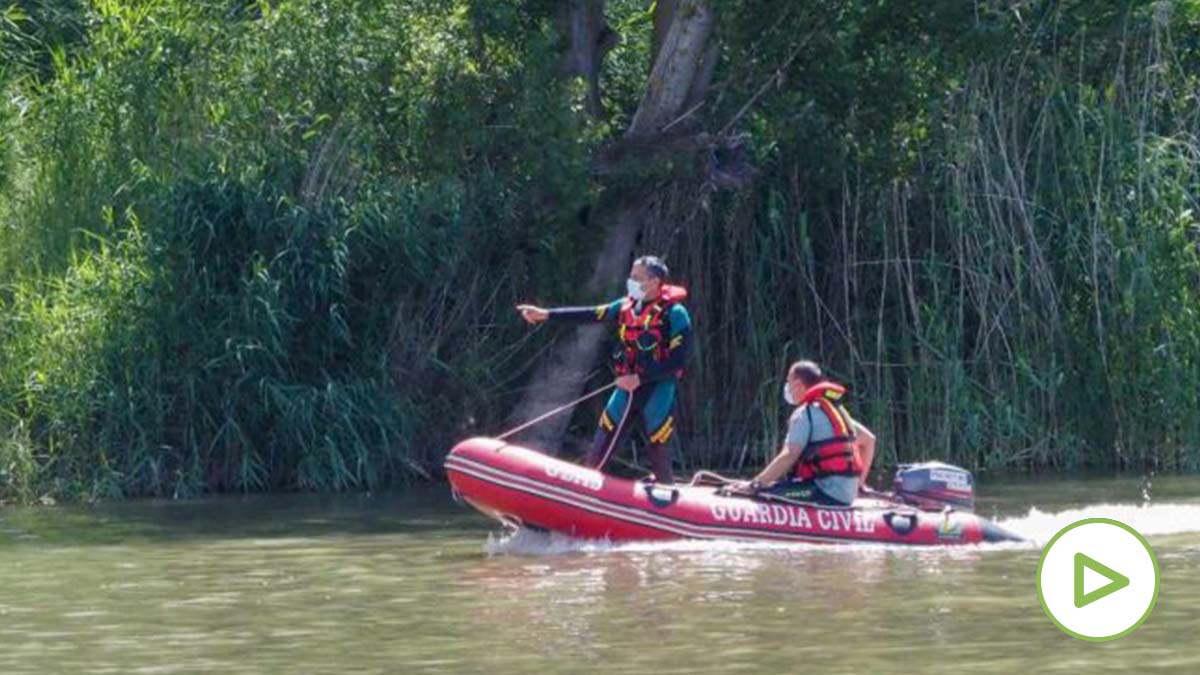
<point>653,403</point>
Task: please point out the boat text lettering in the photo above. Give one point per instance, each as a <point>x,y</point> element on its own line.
<point>568,474</point>
<point>792,516</point>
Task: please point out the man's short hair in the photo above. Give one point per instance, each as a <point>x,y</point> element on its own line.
<point>654,265</point>
<point>807,371</point>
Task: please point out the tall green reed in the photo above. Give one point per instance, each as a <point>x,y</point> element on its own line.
<point>1015,293</point>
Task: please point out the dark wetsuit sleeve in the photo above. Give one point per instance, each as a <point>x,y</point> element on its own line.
<point>595,314</point>
<point>678,349</point>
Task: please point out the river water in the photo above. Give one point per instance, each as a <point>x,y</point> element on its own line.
<point>417,584</point>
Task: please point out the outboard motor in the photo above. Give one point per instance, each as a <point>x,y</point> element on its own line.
<point>933,486</point>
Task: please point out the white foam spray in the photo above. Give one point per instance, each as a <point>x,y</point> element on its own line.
<point>1149,519</point>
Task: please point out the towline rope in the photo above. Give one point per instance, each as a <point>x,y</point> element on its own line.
<point>552,413</point>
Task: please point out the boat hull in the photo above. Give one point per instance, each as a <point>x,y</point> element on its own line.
<point>520,486</point>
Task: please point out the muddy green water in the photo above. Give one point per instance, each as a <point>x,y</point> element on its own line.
<point>416,584</point>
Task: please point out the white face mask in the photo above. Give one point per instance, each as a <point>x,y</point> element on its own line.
<point>635,289</point>
<point>787,394</point>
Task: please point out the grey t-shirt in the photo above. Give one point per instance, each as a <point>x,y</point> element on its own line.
<point>801,432</point>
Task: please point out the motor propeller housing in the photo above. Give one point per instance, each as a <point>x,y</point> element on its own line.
<point>933,486</point>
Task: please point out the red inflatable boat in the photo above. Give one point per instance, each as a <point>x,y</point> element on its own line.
<point>522,487</point>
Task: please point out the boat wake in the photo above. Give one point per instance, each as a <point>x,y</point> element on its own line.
<point>1149,519</point>
<point>526,542</point>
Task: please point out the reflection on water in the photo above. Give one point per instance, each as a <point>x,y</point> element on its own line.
<point>415,585</point>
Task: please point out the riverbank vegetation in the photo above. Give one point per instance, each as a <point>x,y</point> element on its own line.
<point>275,245</point>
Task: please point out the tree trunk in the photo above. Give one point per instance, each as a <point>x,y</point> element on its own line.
<point>679,69</point>
<point>589,39</point>
<point>664,12</point>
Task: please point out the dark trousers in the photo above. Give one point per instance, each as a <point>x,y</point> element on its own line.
<point>653,406</point>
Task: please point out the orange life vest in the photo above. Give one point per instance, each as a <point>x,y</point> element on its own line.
<point>833,456</point>
<point>645,334</point>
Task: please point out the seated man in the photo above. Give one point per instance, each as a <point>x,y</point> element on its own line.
<point>826,453</point>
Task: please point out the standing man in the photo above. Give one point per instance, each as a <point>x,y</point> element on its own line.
<point>655,335</point>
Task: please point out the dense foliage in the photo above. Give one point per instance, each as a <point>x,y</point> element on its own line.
<point>274,245</point>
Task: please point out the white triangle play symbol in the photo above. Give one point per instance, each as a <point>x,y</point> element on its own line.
<point>1093,580</point>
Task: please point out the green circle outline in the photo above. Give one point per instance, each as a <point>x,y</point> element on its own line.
<point>1105,521</point>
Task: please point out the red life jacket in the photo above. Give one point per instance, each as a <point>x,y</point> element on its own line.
<point>645,333</point>
<point>834,456</point>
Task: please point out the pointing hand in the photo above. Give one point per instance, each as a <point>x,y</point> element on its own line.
<point>533,314</point>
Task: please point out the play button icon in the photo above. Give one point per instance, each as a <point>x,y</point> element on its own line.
<point>1097,579</point>
<point>1116,580</point>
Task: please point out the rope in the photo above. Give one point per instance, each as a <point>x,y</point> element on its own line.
<point>616,436</point>
<point>711,478</point>
<point>554,412</point>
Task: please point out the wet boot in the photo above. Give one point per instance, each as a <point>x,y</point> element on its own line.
<point>659,456</point>
<point>599,445</point>
<point>611,432</point>
<point>604,445</point>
